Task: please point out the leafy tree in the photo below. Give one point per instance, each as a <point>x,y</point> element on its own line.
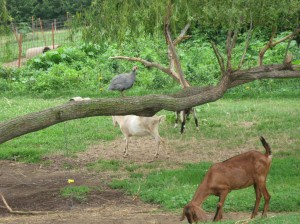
<point>4,17</point>
<point>113,20</point>
<point>23,10</point>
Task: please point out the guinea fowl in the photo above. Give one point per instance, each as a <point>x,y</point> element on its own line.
<point>123,81</point>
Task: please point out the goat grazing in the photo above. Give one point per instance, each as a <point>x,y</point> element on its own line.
<point>132,125</point>
<point>241,171</point>
<point>184,115</point>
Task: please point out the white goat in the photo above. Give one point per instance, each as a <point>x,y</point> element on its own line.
<point>79,98</point>
<point>132,125</point>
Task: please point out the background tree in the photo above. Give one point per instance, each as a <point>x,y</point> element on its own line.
<point>23,10</point>
<point>4,17</point>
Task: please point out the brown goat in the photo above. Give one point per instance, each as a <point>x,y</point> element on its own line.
<point>241,171</point>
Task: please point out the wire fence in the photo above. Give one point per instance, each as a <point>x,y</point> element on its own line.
<point>26,40</point>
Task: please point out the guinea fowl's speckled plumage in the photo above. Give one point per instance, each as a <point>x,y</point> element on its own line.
<point>123,81</point>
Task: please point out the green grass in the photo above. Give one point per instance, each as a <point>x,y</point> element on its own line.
<point>231,123</point>
<point>234,123</point>
<point>103,165</point>
<point>290,218</point>
<point>174,188</point>
<point>79,193</point>
<point>66,138</point>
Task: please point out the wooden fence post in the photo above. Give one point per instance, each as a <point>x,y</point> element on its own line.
<point>52,35</point>
<point>19,41</point>
<point>41,25</point>
<point>32,27</point>
<point>20,50</point>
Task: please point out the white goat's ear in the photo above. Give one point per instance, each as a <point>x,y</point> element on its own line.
<point>114,121</point>
<point>162,118</point>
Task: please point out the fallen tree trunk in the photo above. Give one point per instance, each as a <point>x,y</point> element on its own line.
<point>141,105</point>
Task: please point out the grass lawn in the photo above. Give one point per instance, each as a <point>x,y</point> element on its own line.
<point>230,123</point>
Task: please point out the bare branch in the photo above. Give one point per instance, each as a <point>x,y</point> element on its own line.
<point>229,34</point>
<point>149,64</point>
<point>272,44</point>
<point>231,40</point>
<point>219,57</point>
<point>249,35</point>
<point>182,35</point>
<point>264,50</point>
<point>19,212</point>
<point>173,53</point>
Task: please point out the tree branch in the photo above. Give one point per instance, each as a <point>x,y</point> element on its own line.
<point>150,64</point>
<point>141,105</point>
<point>182,35</point>
<point>249,35</point>
<point>219,57</point>
<point>230,44</point>
<point>172,53</point>
<point>271,44</point>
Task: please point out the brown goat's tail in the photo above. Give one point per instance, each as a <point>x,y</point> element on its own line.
<point>266,145</point>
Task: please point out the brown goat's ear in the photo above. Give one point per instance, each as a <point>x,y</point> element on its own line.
<point>184,213</point>
<point>199,214</point>
<point>182,216</point>
<point>188,213</point>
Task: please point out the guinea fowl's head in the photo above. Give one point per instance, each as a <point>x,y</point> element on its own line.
<point>135,68</point>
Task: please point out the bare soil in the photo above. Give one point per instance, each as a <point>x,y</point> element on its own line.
<point>36,187</point>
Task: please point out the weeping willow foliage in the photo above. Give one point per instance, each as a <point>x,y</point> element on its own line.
<point>4,17</point>
<point>117,20</point>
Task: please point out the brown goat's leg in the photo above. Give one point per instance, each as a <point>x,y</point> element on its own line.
<point>257,201</point>
<point>219,212</point>
<point>267,198</point>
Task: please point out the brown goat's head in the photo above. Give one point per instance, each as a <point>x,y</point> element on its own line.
<point>193,213</point>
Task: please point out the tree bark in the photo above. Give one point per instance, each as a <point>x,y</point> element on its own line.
<point>141,105</point>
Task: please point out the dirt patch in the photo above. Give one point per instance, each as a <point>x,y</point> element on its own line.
<point>36,187</point>
<point>15,63</point>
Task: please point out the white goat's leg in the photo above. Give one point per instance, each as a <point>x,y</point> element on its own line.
<point>176,119</point>
<point>156,154</point>
<point>126,147</point>
<point>164,146</point>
